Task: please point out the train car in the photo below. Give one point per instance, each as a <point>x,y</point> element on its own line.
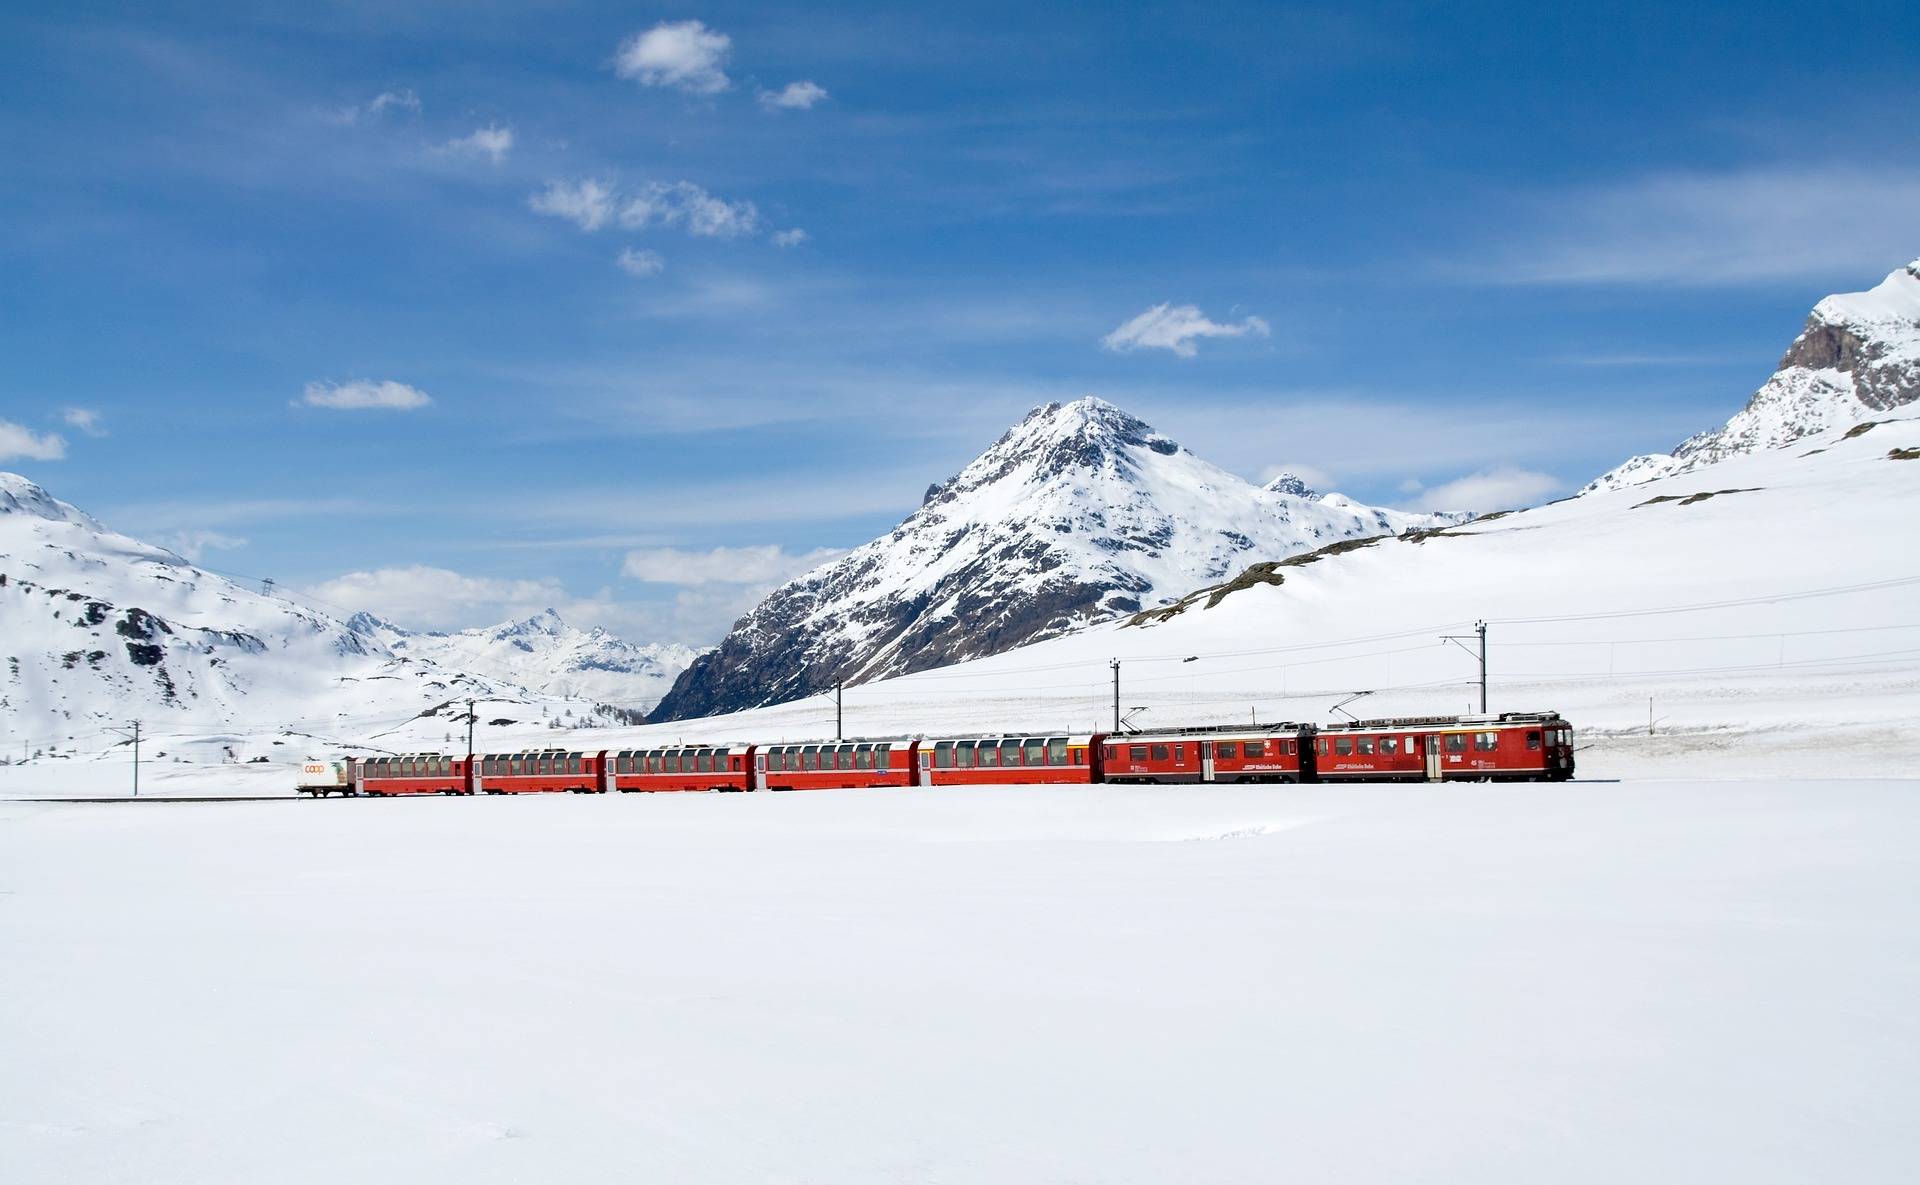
<point>540,771</point>
<point>322,779</point>
<point>1008,760</point>
<point>1510,747</point>
<point>1230,753</point>
<point>416,773</point>
<point>835,765</point>
<point>683,767</point>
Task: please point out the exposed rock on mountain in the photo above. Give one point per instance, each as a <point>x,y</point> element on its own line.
<point>1078,514</point>
<point>1858,355</point>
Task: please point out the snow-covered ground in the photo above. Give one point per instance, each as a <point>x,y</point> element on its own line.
<point>1589,983</point>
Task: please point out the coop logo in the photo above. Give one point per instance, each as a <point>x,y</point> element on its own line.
<point>316,767</point>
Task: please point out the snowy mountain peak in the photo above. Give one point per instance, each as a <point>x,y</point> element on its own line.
<point>1292,485</point>
<point>1079,513</point>
<point>1859,355</point>
<point>546,622</point>
<point>18,495</point>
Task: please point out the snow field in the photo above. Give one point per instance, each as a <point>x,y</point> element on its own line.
<point>1668,981</point>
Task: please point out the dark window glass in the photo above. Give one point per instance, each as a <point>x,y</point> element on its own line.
<point>989,753</point>
<point>963,754</point>
<point>1136,752</point>
<point>1533,741</point>
<point>1009,752</point>
<point>1036,752</point>
<point>1389,745</point>
<point>1343,746</point>
<point>1057,751</point>
<point>1159,752</point>
<point>943,755</point>
<point>1227,750</point>
<point>1364,744</point>
<point>1456,742</point>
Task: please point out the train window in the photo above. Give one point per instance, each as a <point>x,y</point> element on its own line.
<point>1136,752</point>
<point>1533,741</point>
<point>573,765</point>
<point>1009,752</point>
<point>810,757</point>
<point>670,762</point>
<point>1254,749</point>
<point>1159,752</point>
<point>1079,755</point>
<point>1057,751</point>
<point>989,753</point>
<point>963,754</point>
<point>1036,752</point>
<point>1227,750</point>
<point>1363,745</point>
<point>1412,745</point>
<point>862,759</point>
<point>515,766</point>
<point>774,759</point>
<point>926,759</point>
<point>1486,742</point>
<point>943,754</point>
<point>1456,742</point>
<point>1343,746</point>
<point>846,756</point>
<point>703,762</point>
<point>1323,746</point>
<point>1389,745</point>
<point>883,757</point>
<point>1112,752</point>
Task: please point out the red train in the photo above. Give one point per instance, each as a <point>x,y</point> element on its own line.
<point>1513,746</point>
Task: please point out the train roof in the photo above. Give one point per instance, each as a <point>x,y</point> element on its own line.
<point>1207,731</point>
<point>1385,723</point>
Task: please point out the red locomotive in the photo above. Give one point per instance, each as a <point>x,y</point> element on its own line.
<point>1513,746</point>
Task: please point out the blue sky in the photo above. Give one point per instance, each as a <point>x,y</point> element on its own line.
<point>456,311</point>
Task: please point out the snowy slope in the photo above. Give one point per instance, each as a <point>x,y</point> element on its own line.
<point>544,654</point>
<point>1078,514</point>
<point>1490,985</point>
<point>1857,358</point>
<point>1771,613</point>
<point>97,629</point>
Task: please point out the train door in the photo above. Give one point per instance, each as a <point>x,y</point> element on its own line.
<point>359,777</point>
<point>1206,761</point>
<point>757,780</point>
<point>608,767</point>
<point>1430,750</point>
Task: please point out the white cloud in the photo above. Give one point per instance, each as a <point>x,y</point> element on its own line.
<point>1503,487</point>
<point>684,204</point>
<point>1175,327</point>
<point>84,419</point>
<point>640,263</point>
<point>1816,223</point>
<point>195,544</point>
<point>795,96</point>
<point>423,597</point>
<point>768,564</point>
<point>685,55</point>
<point>381,103</point>
<point>401,98</point>
<point>492,141</point>
<point>585,203</point>
<point>17,442</point>
<point>784,239</point>
<point>362,394</point>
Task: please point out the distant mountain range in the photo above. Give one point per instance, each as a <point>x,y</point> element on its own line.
<point>1859,355</point>
<point>98,629</point>
<point>1080,513</point>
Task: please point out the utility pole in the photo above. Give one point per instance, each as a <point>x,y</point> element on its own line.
<point>136,759</point>
<point>470,732</point>
<point>1115,664</point>
<point>1649,715</point>
<point>1480,631</point>
<point>839,717</point>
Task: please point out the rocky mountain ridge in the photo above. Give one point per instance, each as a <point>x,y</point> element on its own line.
<point>1080,513</point>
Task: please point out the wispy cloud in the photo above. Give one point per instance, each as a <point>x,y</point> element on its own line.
<point>194,545</point>
<point>684,204</point>
<point>723,565</point>
<point>785,239</point>
<point>640,262</point>
<point>1816,223</point>
<point>83,419</point>
<point>683,55</point>
<point>1176,328</point>
<point>363,395</point>
<point>492,142</point>
<point>394,100</point>
<point>19,443</point>
<point>1502,487</point>
<point>586,203</point>
<point>422,597</point>
<point>795,96</point>
<point>590,204</point>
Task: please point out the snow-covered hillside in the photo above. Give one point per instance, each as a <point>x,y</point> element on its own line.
<point>97,629</point>
<point>1857,358</point>
<point>1079,514</point>
<point>546,655</point>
